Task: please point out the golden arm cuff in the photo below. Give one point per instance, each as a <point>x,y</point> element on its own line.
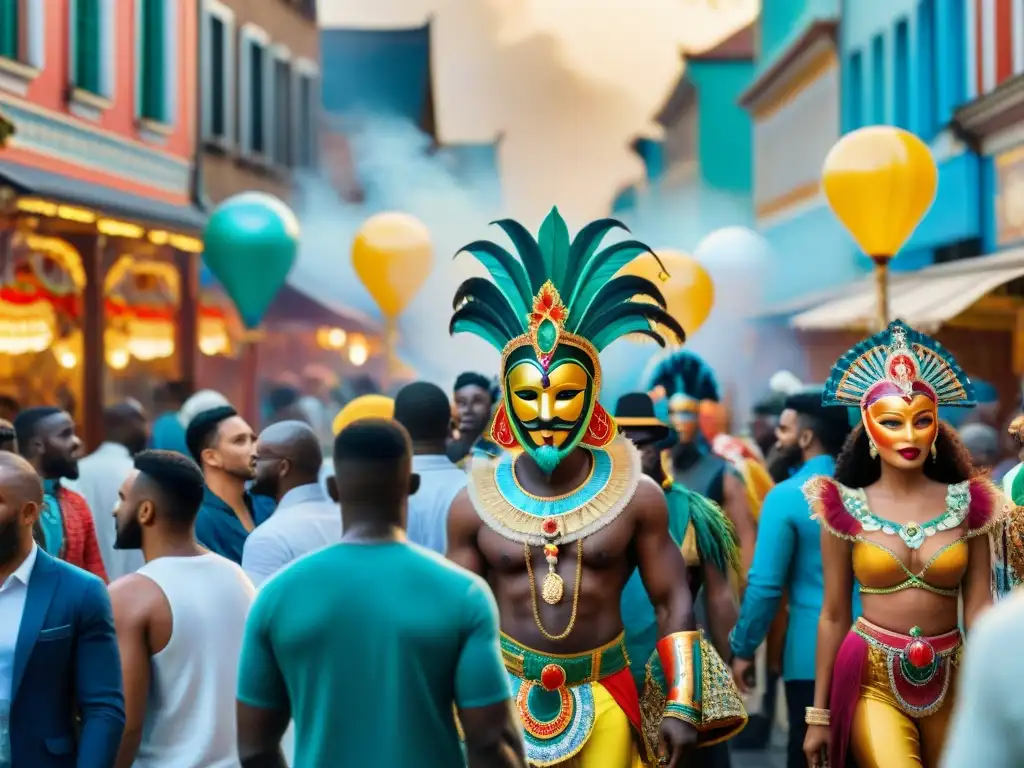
<point>680,657</point>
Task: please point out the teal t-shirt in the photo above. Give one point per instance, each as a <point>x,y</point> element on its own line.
<point>370,645</point>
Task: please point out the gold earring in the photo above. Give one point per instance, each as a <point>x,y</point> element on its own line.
<point>872,450</point>
<point>935,451</point>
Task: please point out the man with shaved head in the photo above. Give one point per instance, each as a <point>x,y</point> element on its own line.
<point>288,461</point>
<point>100,474</point>
<point>61,703</point>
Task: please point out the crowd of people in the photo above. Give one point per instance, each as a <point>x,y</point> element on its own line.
<point>509,574</point>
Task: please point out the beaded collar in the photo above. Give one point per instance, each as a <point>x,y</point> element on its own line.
<point>958,499</point>
<point>514,513</point>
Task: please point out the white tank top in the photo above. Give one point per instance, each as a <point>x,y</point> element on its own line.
<point>190,713</point>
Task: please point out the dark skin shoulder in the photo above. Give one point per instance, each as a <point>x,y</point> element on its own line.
<point>142,617</point>
<point>737,509</point>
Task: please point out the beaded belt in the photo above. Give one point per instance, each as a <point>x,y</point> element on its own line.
<point>556,670</point>
<point>919,667</point>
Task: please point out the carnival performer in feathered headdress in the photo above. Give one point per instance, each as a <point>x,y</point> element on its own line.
<point>734,482</point>
<point>908,521</point>
<point>558,521</point>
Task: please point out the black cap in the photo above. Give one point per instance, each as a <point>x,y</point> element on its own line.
<point>635,410</point>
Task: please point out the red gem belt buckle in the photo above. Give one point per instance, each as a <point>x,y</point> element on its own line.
<point>552,677</point>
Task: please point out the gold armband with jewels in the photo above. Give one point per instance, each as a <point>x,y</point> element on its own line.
<point>687,680</point>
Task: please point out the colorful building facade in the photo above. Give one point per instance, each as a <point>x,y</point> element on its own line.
<point>98,221</point>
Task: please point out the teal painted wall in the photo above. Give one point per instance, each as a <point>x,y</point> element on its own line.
<point>725,157</point>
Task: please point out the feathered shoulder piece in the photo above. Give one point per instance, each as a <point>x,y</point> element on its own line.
<point>716,539</point>
<point>683,372</point>
<point>988,506</point>
<point>898,361</point>
<point>560,289</point>
<point>826,499</point>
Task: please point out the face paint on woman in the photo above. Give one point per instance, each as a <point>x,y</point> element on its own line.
<point>683,412</point>
<point>902,431</point>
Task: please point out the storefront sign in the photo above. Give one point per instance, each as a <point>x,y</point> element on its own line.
<point>1010,196</point>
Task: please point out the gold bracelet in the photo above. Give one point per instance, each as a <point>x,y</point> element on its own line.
<point>817,716</point>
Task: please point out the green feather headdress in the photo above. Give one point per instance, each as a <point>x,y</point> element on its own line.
<point>559,289</point>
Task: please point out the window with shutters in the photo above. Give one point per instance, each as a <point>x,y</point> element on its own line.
<point>88,45</point>
<point>283,111</point>
<point>256,63</point>
<point>218,73</point>
<point>153,69</point>
<point>305,114</point>
<point>11,22</point>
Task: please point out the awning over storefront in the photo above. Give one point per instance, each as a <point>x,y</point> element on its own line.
<point>114,202</point>
<point>925,299</point>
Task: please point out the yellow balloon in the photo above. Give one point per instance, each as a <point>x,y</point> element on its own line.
<point>880,182</point>
<point>392,255</point>
<point>364,407</point>
<point>688,290</point>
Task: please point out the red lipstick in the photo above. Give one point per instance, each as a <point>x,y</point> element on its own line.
<point>910,453</point>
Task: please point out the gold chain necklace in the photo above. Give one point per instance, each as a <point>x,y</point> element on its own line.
<point>575,593</point>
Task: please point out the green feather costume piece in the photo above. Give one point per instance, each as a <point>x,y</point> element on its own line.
<point>600,307</point>
<point>716,537</point>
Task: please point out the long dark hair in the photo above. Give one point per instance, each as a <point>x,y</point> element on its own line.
<point>856,469</point>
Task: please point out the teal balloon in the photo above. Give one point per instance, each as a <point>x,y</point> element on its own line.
<point>251,242</point>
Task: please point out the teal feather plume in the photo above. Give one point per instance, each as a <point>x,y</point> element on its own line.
<point>615,291</point>
<point>584,246</point>
<point>506,271</point>
<point>553,239</point>
<point>628,310</point>
<point>717,541</point>
<point>685,373</point>
<point>600,306</point>
<point>473,317</point>
<point>529,253</point>
<point>602,266</point>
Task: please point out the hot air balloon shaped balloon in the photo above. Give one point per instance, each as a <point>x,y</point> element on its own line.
<point>251,242</point>
<point>880,182</point>
<point>392,255</point>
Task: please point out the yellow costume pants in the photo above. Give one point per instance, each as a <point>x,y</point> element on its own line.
<point>883,736</point>
<point>611,743</point>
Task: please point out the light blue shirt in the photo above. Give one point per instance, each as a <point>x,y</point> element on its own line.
<point>787,558</point>
<point>305,521</point>
<point>440,482</point>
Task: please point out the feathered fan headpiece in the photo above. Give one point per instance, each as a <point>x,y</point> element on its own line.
<point>898,361</point>
<point>683,372</point>
<point>559,290</point>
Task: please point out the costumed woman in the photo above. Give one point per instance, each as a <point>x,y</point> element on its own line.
<point>708,542</point>
<point>686,381</point>
<point>559,521</point>
<point>904,518</point>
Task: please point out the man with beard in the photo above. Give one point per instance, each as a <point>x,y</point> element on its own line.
<point>46,438</point>
<point>288,461</point>
<point>126,432</point>
<point>179,622</point>
<point>709,546</point>
<point>224,446</point>
<point>60,678</point>
<point>474,401</point>
<point>686,380</point>
<point>788,559</point>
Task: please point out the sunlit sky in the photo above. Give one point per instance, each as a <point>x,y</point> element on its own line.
<point>570,82</point>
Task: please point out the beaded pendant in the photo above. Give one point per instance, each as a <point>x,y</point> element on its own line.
<point>958,499</point>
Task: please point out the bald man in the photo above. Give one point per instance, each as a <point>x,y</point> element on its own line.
<point>61,701</point>
<point>288,461</point>
<point>100,474</point>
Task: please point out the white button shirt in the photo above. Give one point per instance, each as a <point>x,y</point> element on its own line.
<point>13,593</point>
<point>101,474</point>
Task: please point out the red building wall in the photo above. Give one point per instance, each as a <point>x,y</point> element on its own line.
<point>48,92</point>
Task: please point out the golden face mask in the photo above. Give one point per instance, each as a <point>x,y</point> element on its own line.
<point>902,429</point>
<point>683,412</point>
<point>548,407</point>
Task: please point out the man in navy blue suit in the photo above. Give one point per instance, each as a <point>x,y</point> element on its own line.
<point>61,700</point>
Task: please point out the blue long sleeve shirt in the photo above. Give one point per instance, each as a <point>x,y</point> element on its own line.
<point>787,558</point>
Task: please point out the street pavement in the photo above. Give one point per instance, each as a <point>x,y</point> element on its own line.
<point>773,757</point>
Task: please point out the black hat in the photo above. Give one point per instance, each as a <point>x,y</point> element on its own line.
<point>636,410</point>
